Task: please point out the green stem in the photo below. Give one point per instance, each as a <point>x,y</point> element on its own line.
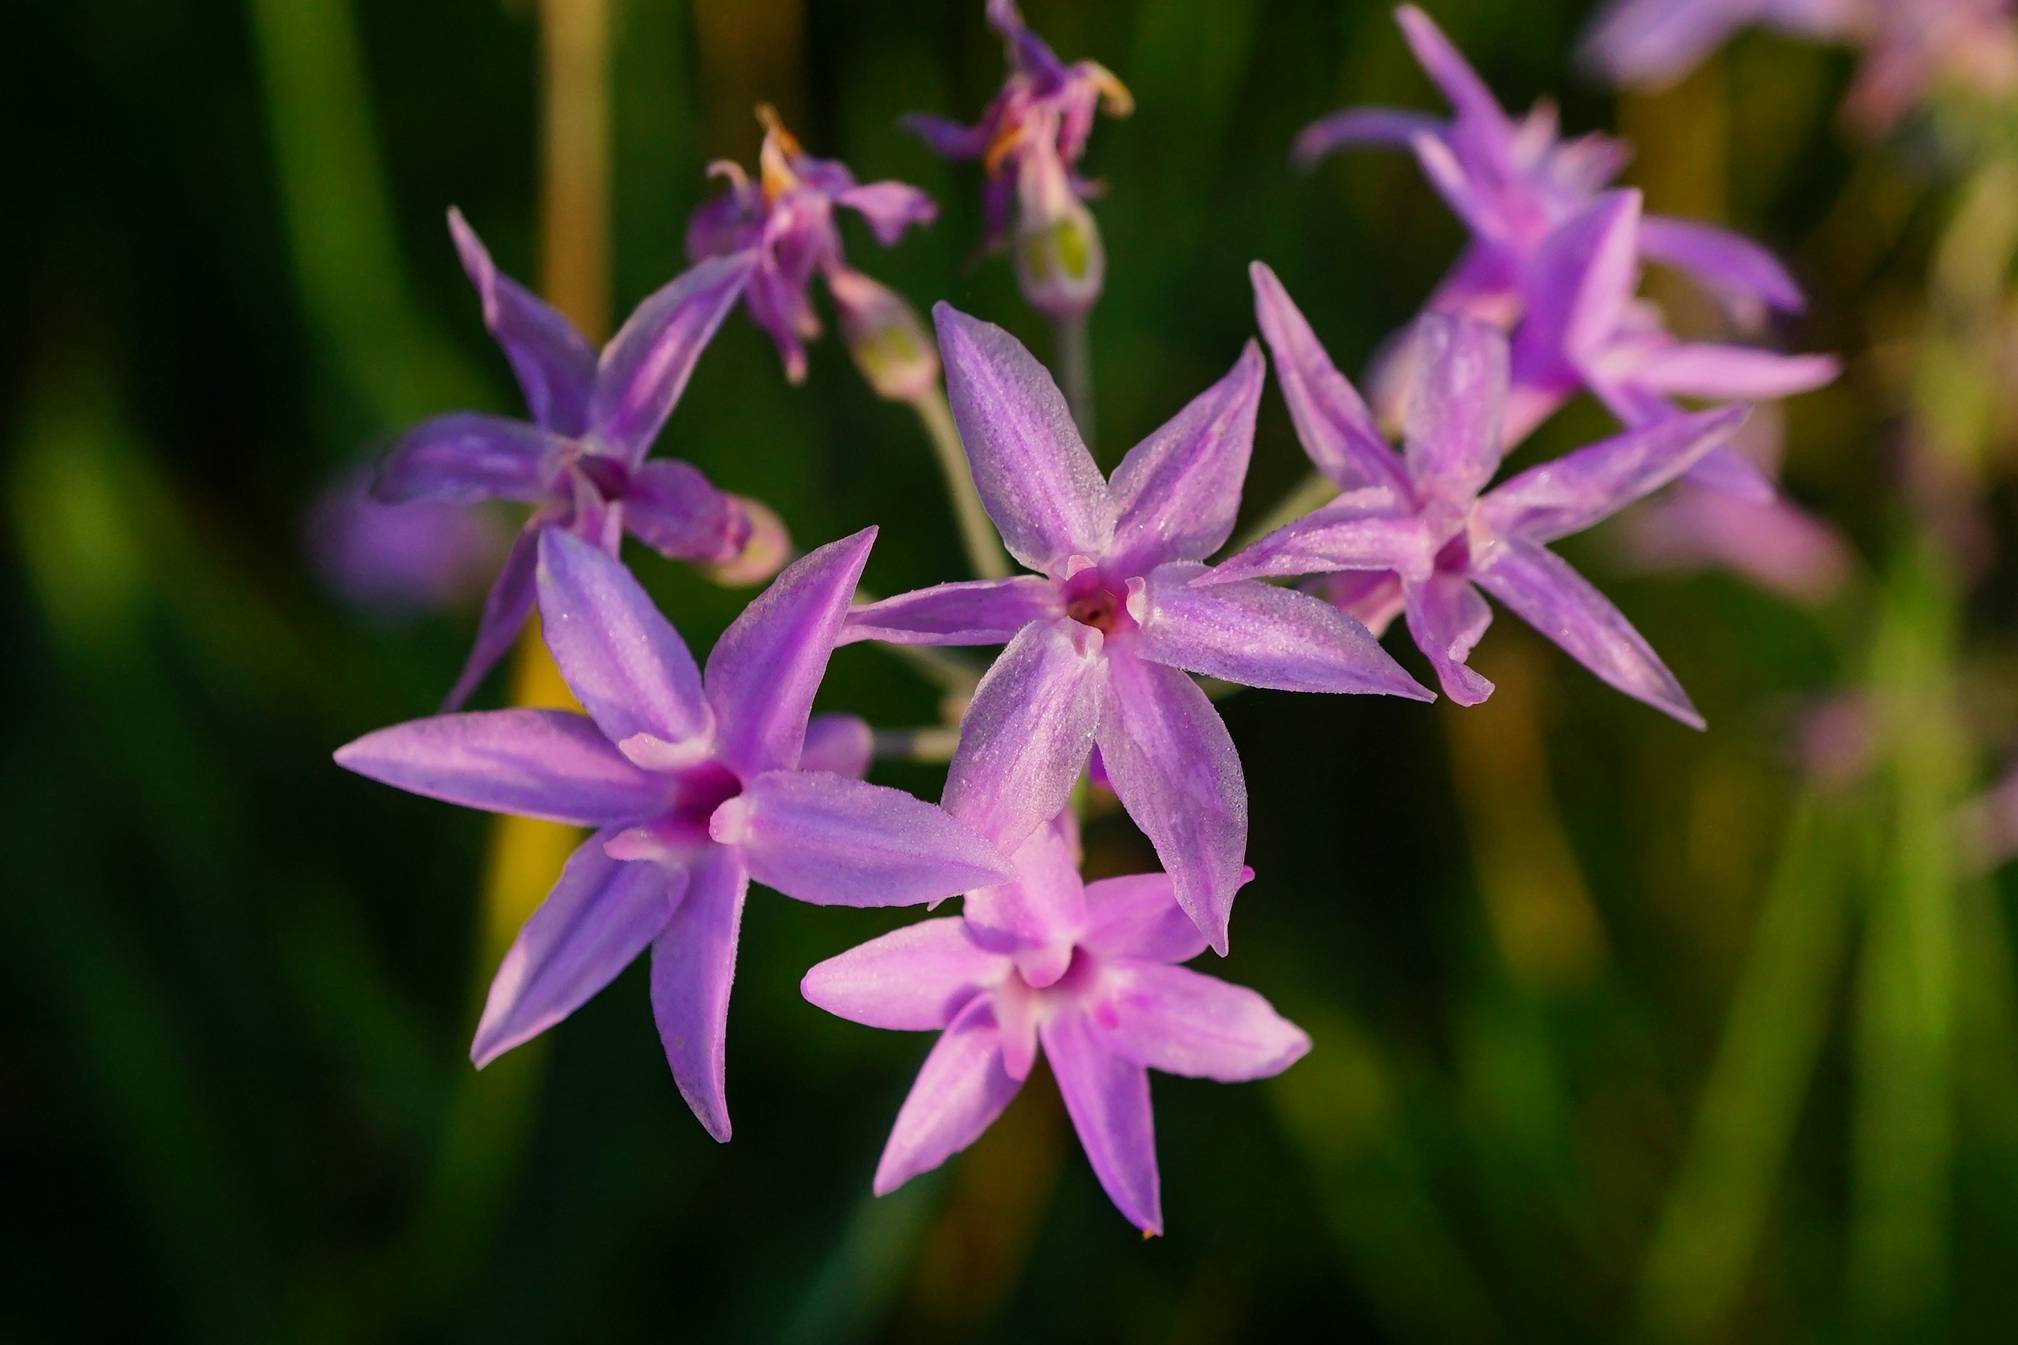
<point>929,746</point>
<point>1075,373</point>
<point>977,534</point>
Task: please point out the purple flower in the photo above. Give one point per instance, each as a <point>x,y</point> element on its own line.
<point>1087,973</point>
<point>1582,329</point>
<point>1513,183</point>
<point>399,557</point>
<point>1101,639</point>
<point>1414,533</point>
<point>786,218</point>
<point>580,462</point>
<point>1029,142</point>
<point>1652,43</point>
<point>696,783</point>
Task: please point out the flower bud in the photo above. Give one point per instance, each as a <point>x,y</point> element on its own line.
<point>884,336</point>
<point>765,549</point>
<point>1060,263</point>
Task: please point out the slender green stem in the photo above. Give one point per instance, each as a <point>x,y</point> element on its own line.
<point>928,746</point>
<point>954,674</point>
<point>1075,373</point>
<point>977,534</point>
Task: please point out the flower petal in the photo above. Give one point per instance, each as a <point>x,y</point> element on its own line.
<point>889,208</point>
<point>1467,94</point>
<point>465,457</point>
<point>1027,731</point>
<point>1138,916</point>
<point>833,841</point>
<point>644,368</point>
<point>1542,589</point>
<point>1582,280</point>
<point>1445,618</point>
<point>505,609</point>
<point>1387,127</point>
<point>1721,259</point>
<point>1262,636</point>
<point>1367,529</point>
<point>1734,373</point>
<point>1647,43</point>
<point>553,764</point>
<point>1183,1022</point>
<point>1596,481</point>
<point>600,915</point>
<point>1173,766</point>
<point>839,743</point>
<point>1332,421</point>
<point>554,366</point>
<point>1453,432</point>
<point>1107,1097</point>
<point>693,967</point>
<point>621,658</point>
<point>1032,470</point>
<point>764,670</point>
<point>975,611</point>
<point>1177,492</point>
<point>676,511</point>
<point>961,1089</point>
<point>914,979</point>
<point>1040,911</point>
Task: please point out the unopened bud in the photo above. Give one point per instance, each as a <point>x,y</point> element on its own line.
<point>1060,263</point>
<point>766,547</point>
<point>884,336</point>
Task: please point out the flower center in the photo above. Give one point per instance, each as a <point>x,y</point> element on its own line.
<point>1093,599</point>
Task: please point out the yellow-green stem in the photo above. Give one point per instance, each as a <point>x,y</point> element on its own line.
<point>984,551</point>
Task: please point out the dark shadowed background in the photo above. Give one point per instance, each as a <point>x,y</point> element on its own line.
<point>1600,1008</point>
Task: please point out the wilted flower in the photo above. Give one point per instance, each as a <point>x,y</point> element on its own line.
<point>696,783</point>
<point>1418,534</point>
<point>1029,142</point>
<point>1514,183</point>
<point>581,460</point>
<point>1084,972</point>
<point>786,218</point>
<point>1100,641</point>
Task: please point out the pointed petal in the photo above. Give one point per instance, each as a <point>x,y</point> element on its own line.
<point>833,841</point>
<point>1027,731</point>
<point>839,743</point>
<point>1182,1022</point>
<point>1385,127</point>
<point>1107,1098</point>
<point>1177,492</point>
<point>947,138</point>
<point>553,764</point>
<point>644,368</point>
<point>1041,909</point>
<point>1445,618</point>
<point>1583,277</point>
<point>1542,589</point>
<point>960,1091</point>
<point>1366,529</point>
<point>1721,260</point>
<point>1647,43</point>
<point>1332,421</point>
<point>505,609</point>
<point>764,670</point>
<point>1442,62</point>
<point>1734,373</point>
<point>693,967</point>
<point>889,208</point>
<point>676,511</point>
<point>1453,434</point>
<point>1262,636</point>
<point>1473,202</point>
<point>1030,466</point>
<point>975,611</point>
<point>465,457</point>
<point>1138,916</point>
<point>554,366</point>
<point>1174,768</point>
<point>600,915</point>
<point>1578,489</point>
<point>621,658</point>
<point>914,979</point>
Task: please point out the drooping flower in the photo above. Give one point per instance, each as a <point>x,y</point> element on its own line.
<point>399,557</point>
<point>786,218</point>
<point>1029,142</point>
<point>696,783</point>
<point>1515,182</point>
<point>1101,639</point>
<point>1086,974</point>
<point>580,462</point>
<point>1417,534</point>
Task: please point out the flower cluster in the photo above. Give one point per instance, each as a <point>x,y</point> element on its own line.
<point>698,780</point>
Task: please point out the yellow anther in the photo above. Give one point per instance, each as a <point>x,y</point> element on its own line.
<point>1004,144</point>
<point>780,147</point>
<point>1115,99</point>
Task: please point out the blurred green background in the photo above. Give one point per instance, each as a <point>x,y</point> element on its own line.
<point>1621,1031</point>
